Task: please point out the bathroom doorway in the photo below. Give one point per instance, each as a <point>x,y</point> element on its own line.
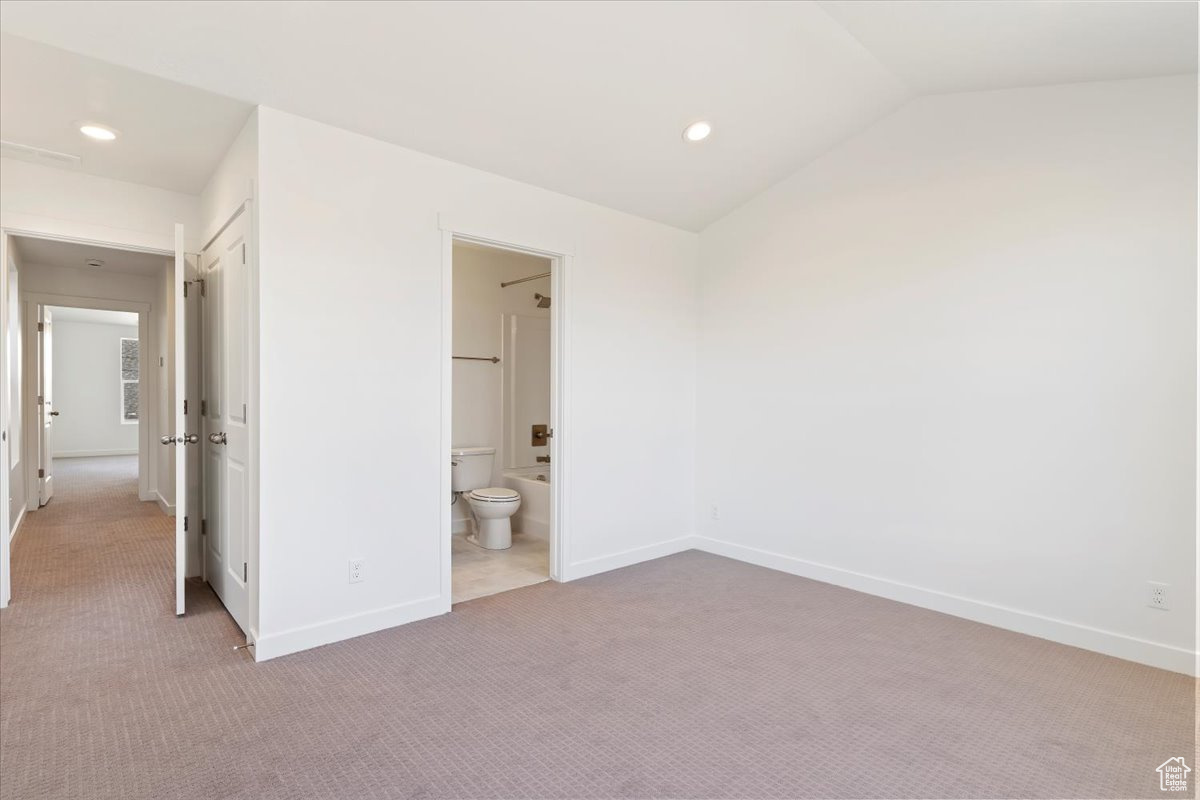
<point>503,373</point>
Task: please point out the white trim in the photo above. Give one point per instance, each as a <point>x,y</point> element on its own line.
<point>445,517</point>
<point>5,393</point>
<point>165,505</point>
<point>95,453</point>
<point>32,225</point>
<point>16,526</point>
<point>562,266</point>
<point>562,273</point>
<point>1155,654</point>
<point>627,558</point>
<point>335,630</point>
<point>19,224</point>
<point>147,379</point>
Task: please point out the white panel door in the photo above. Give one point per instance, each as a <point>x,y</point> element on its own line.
<point>226,405</point>
<point>182,438</point>
<point>46,405</point>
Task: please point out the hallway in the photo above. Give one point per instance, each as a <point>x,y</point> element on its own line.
<point>91,619</point>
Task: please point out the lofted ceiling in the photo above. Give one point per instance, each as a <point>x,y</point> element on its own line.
<point>937,46</point>
<point>584,98</point>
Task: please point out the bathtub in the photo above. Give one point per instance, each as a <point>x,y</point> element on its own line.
<point>533,484</point>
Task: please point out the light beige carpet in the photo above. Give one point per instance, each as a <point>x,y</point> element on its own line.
<point>691,676</point>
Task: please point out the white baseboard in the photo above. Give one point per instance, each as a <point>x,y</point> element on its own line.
<point>274,645</point>
<point>95,453</point>
<point>16,528</point>
<point>1163,656</point>
<point>594,566</point>
<point>167,508</point>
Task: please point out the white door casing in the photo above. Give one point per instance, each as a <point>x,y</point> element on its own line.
<point>182,438</point>
<point>226,403</point>
<point>46,405</point>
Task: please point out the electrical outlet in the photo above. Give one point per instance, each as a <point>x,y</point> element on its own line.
<point>356,570</point>
<point>715,513</point>
<point>1158,596</point>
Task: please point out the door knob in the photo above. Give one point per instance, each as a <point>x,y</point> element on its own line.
<point>167,440</point>
<point>217,438</point>
<point>54,413</point>
<point>190,438</point>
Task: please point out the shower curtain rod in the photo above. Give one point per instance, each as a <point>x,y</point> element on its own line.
<point>522,280</point>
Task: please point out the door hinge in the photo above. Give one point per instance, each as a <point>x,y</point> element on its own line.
<point>245,573</point>
<point>185,284</point>
<point>40,400</point>
<point>243,252</point>
<point>185,523</point>
<point>203,407</point>
<point>185,406</point>
<point>41,473</point>
<point>203,527</point>
<point>41,327</point>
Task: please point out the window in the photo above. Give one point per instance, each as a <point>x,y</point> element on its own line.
<point>130,357</point>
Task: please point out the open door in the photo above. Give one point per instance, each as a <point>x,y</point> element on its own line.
<point>182,438</point>
<point>46,405</point>
<point>225,410</point>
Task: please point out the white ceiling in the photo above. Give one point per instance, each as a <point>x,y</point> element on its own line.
<point>585,98</point>
<point>53,253</point>
<point>94,316</point>
<point>954,46</point>
<point>172,136</point>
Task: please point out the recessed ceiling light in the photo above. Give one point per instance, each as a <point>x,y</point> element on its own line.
<point>697,131</point>
<point>101,132</point>
<point>94,262</point>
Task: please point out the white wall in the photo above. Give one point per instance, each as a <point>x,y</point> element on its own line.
<point>350,281</point>
<point>954,362</point>
<point>87,390</point>
<point>232,182</point>
<point>59,202</point>
<point>11,417</point>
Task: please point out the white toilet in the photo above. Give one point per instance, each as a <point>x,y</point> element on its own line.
<point>492,507</point>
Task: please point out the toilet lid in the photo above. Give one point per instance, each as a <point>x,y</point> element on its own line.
<point>495,495</point>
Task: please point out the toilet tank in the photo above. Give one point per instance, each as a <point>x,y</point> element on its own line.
<point>471,468</point>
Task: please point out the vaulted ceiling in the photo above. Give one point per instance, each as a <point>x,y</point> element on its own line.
<point>584,98</point>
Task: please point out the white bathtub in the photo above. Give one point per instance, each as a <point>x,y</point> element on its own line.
<point>533,484</point>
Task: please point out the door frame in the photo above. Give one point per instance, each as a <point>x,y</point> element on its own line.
<point>146,386</point>
<point>34,227</point>
<point>561,266</point>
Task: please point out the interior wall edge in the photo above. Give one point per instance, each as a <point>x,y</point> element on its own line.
<point>627,558</point>
<point>295,640</point>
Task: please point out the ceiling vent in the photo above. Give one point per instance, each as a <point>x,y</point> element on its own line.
<point>38,155</point>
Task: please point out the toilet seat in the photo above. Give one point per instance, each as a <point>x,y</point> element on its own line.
<point>494,495</point>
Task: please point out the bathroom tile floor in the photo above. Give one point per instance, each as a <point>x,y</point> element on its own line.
<point>476,572</point>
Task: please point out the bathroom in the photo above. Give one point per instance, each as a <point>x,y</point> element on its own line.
<point>501,390</point>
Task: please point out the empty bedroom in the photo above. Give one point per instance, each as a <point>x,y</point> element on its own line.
<point>680,400</point>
